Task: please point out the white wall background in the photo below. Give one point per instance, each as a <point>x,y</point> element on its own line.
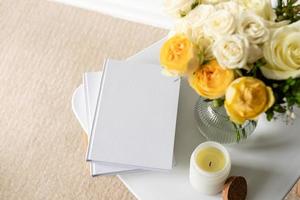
<point>143,11</point>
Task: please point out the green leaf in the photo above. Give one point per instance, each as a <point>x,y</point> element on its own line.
<point>285,88</point>
<point>298,99</point>
<point>238,72</point>
<point>237,131</point>
<point>290,81</point>
<point>270,115</point>
<point>291,101</point>
<point>275,85</point>
<point>207,100</point>
<point>201,58</point>
<point>218,103</point>
<point>279,108</point>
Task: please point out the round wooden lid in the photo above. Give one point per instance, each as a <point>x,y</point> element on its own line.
<point>235,188</point>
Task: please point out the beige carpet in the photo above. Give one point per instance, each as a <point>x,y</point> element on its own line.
<point>44,49</point>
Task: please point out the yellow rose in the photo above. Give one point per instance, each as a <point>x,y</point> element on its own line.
<point>246,98</point>
<point>211,80</point>
<point>282,53</point>
<point>178,55</point>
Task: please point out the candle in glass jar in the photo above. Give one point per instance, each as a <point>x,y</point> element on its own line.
<point>209,167</point>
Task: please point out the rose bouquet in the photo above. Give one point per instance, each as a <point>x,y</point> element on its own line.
<point>240,54</point>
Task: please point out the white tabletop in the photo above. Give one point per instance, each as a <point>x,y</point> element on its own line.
<point>269,160</point>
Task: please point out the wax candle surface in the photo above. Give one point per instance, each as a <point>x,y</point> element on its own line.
<point>210,159</point>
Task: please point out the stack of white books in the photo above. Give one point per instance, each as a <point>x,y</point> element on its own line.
<point>131,110</point>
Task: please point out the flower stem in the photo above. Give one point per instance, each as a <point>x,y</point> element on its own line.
<point>237,131</point>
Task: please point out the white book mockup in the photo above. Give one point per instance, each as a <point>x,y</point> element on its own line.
<point>135,119</point>
<point>91,82</point>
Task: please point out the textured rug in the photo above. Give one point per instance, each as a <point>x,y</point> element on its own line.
<point>44,49</point>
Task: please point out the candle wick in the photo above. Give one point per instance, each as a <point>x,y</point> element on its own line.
<point>210,163</point>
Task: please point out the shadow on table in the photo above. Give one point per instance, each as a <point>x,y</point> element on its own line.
<point>255,184</point>
<point>272,135</point>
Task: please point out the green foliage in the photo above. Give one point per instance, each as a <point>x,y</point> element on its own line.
<point>201,58</point>
<point>287,10</point>
<point>256,66</point>
<point>218,102</point>
<point>287,95</point>
<point>240,131</point>
<point>286,92</point>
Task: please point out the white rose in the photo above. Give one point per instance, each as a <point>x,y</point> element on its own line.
<point>253,28</point>
<point>179,8</point>
<point>272,25</point>
<point>182,26</point>
<point>194,19</point>
<point>255,53</point>
<point>220,23</point>
<point>282,53</point>
<point>203,42</point>
<point>212,1</point>
<point>197,16</point>
<point>232,51</point>
<point>192,27</point>
<point>233,7</point>
<point>262,8</point>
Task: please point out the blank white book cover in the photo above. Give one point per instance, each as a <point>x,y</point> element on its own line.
<point>91,82</point>
<point>135,119</point>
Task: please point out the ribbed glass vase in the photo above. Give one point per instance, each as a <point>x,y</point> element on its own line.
<point>214,124</point>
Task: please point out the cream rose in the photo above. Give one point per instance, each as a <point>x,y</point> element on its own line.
<point>253,28</point>
<point>179,8</point>
<point>233,7</point>
<point>219,24</point>
<point>232,51</point>
<point>199,14</point>
<point>182,26</point>
<point>255,53</point>
<point>212,1</point>
<point>282,53</point>
<point>192,26</point>
<point>204,44</point>
<point>262,8</point>
<point>193,21</point>
<point>197,36</point>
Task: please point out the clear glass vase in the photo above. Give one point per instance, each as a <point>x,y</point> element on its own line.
<point>214,124</point>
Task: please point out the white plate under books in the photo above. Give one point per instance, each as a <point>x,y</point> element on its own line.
<point>269,159</point>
